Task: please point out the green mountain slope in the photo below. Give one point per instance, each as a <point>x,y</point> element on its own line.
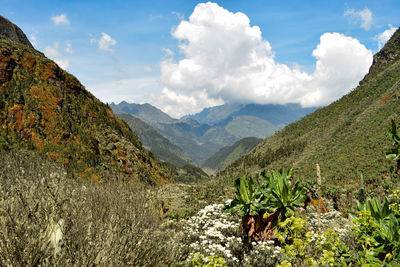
<point>145,112</point>
<point>44,108</point>
<point>229,154</point>
<point>155,142</point>
<point>346,138</point>
<point>245,126</point>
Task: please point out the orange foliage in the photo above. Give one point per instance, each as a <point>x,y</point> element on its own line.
<point>16,115</point>
<point>37,142</point>
<point>385,98</point>
<point>88,174</point>
<point>28,63</point>
<point>49,70</point>
<point>65,161</point>
<point>53,156</point>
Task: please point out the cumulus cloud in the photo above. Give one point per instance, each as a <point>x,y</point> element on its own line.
<point>385,36</point>
<point>68,49</point>
<point>53,53</point>
<point>105,43</point>
<point>61,19</point>
<point>363,16</point>
<point>225,59</point>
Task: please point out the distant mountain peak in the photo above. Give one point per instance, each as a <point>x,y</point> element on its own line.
<point>13,32</point>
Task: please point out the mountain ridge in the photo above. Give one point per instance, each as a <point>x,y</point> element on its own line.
<point>346,138</point>
<point>46,109</point>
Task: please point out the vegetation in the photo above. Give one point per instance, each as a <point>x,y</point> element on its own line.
<point>156,142</point>
<point>346,137</point>
<point>49,219</point>
<point>394,153</point>
<point>229,154</point>
<point>44,108</point>
<point>261,208</point>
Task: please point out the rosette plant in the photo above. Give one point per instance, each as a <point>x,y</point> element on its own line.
<point>248,201</point>
<point>394,152</point>
<point>261,208</point>
<point>283,197</point>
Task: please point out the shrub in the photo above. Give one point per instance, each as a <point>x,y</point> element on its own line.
<point>48,218</point>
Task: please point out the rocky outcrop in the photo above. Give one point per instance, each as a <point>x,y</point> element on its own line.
<point>13,32</point>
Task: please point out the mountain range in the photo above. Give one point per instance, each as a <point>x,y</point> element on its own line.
<point>347,138</point>
<point>203,134</point>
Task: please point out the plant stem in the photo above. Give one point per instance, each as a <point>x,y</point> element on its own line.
<point>319,181</point>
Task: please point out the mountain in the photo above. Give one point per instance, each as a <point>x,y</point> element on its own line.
<point>13,32</point>
<point>145,112</point>
<point>245,126</point>
<point>347,138</point>
<point>278,115</point>
<point>44,108</point>
<point>227,155</point>
<point>156,142</point>
<point>200,140</point>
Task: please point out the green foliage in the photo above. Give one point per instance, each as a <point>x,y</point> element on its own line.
<point>280,194</point>
<point>377,230</point>
<point>248,200</point>
<point>377,209</point>
<point>199,260</point>
<point>394,153</point>
<point>308,249</point>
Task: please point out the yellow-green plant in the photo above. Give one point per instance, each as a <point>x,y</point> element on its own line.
<point>199,260</point>
<point>309,249</point>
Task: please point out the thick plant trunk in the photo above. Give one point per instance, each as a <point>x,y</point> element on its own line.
<point>258,228</point>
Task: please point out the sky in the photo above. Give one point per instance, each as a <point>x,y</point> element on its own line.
<point>182,56</point>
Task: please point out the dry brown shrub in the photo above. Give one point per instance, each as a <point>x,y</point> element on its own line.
<point>47,218</point>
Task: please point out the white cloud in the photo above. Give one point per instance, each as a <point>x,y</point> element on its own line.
<point>105,43</point>
<point>225,59</point>
<point>179,15</point>
<point>53,53</point>
<point>61,19</point>
<point>130,90</point>
<point>385,36</point>
<point>68,49</point>
<point>363,16</point>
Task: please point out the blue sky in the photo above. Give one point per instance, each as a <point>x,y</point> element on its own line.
<point>129,50</point>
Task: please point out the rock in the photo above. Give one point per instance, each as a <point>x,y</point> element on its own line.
<point>13,32</point>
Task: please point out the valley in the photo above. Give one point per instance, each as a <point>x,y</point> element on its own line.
<point>85,182</point>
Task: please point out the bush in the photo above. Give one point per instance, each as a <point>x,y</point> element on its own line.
<point>47,218</point>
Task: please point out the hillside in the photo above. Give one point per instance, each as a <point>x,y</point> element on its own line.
<point>347,138</point>
<point>155,142</point>
<point>227,155</point>
<point>46,109</point>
